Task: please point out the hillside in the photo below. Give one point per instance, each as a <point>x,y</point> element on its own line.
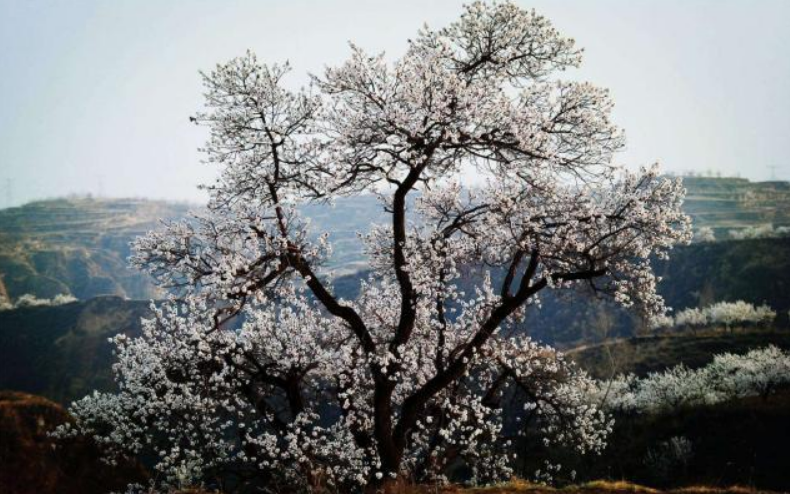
<point>734,203</point>
<point>743,441</point>
<point>77,246</point>
<point>80,245</point>
<point>62,352</point>
<point>642,355</point>
<point>756,271</point>
<point>32,462</point>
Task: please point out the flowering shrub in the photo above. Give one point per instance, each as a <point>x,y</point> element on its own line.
<point>760,231</point>
<point>408,378</point>
<point>729,313</point>
<point>28,300</point>
<point>705,234</point>
<point>723,313</point>
<point>756,373</point>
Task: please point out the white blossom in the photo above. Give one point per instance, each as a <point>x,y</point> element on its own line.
<point>29,300</point>
<point>760,231</point>
<point>720,313</point>
<point>705,234</point>
<point>256,365</point>
<point>759,372</point>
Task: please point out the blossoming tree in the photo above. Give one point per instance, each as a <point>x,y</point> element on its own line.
<point>760,372</point>
<point>727,314</point>
<point>407,380</point>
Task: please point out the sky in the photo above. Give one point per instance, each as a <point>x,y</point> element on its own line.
<point>95,96</point>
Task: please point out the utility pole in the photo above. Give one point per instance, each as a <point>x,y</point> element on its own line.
<point>9,192</point>
<point>100,185</point>
<point>773,172</point>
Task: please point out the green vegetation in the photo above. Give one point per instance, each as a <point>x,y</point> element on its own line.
<point>62,352</point>
<point>741,442</point>
<point>755,271</point>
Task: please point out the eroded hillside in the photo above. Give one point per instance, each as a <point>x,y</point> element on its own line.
<point>77,246</point>
<point>80,246</point>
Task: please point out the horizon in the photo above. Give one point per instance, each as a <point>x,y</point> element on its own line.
<point>698,86</point>
<point>89,196</point>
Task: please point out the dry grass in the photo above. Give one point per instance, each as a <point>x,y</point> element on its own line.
<point>702,489</point>
<point>519,486</point>
<point>612,486</point>
<point>597,487</point>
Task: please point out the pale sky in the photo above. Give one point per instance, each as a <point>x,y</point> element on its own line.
<point>95,95</point>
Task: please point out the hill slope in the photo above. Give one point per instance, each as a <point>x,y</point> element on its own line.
<point>80,245</point>
<point>642,355</point>
<point>743,441</point>
<point>77,246</point>
<point>734,203</point>
<point>756,271</point>
<point>62,352</point>
<point>32,462</point>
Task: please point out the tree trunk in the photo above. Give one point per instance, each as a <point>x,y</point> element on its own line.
<point>390,486</point>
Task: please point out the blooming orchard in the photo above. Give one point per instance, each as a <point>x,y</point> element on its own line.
<point>757,373</point>
<point>760,231</point>
<point>408,379</point>
<point>721,313</point>
<point>29,300</point>
<point>705,234</point>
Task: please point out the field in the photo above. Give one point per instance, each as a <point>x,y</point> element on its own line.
<point>644,354</point>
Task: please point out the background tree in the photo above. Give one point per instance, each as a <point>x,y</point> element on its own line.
<point>408,380</point>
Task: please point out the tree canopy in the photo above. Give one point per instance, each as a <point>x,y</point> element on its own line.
<point>409,379</point>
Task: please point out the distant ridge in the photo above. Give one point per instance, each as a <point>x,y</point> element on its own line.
<point>734,203</point>
<point>63,352</point>
<point>77,246</point>
<point>80,245</point>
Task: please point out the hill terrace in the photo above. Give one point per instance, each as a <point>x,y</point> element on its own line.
<point>734,203</point>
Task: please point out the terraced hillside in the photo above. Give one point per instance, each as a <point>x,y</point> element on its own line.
<point>76,246</point>
<point>733,203</point>
<point>79,246</point>
<point>656,353</point>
